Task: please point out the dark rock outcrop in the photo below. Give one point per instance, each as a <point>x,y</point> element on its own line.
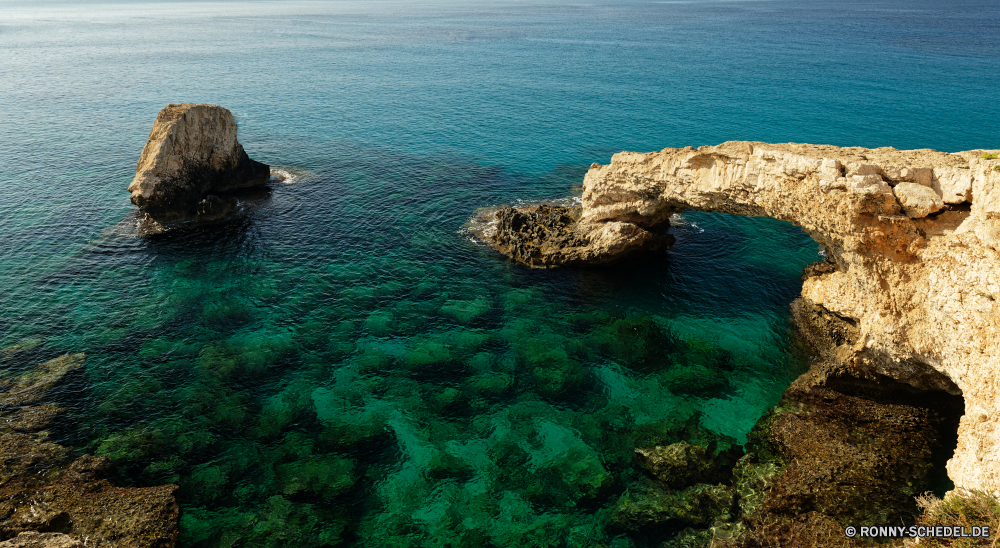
<point>845,446</point>
<point>547,236</point>
<point>192,157</point>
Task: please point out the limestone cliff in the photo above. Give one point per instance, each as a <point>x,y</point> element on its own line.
<point>192,155</point>
<point>912,241</point>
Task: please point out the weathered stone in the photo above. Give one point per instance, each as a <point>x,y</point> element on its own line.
<point>32,539</point>
<point>547,236</point>
<point>954,185</point>
<point>918,200</point>
<point>868,185</point>
<point>192,154</point>
<point>919,175</point>
<point>42,489</point>
<point>682,464</point>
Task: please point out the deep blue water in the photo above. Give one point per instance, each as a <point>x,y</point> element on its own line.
<point>343,365</point>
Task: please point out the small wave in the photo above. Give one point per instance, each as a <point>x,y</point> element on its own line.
<point>569,201</point>
<point>679,220</point>
<point>291,175</point>
<point>481,226</point>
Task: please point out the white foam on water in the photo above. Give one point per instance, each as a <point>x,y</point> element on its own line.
<point>679,220</point>
<point>291,175</point>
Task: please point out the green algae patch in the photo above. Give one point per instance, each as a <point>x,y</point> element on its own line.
<point>427,352</point>
<point>166,347</point>
<point>325,476</point>
<point>285,407</point>
<point>379,322</point>
<point>572,465</point>
<point>466,310</point>
<point>136,443</point>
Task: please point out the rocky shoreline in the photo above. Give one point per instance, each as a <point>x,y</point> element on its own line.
<point>545,236</point>
<point>902,319</point>
<point>43,489</point>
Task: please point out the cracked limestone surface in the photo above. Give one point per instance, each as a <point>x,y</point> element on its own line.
<point>912,240</point>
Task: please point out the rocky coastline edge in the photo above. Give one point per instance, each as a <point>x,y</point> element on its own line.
<point>902,318</point>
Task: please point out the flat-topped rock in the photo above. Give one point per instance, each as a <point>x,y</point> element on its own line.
<point>192,159</point>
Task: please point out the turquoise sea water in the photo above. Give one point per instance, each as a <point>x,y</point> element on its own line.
<point>344,365</point>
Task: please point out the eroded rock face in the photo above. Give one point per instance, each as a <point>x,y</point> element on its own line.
<point>918,289</point>
<point>191,157</point>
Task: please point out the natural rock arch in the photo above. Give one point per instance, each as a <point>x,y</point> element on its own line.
<point>912,240</point>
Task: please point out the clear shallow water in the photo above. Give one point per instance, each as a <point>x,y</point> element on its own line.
<point>343,366</point>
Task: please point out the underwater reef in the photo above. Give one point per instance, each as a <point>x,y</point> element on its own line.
<point>411,409</point>
<point>43,488</point>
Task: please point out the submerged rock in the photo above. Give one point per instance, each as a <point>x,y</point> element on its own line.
<point>191,157</point>
<point>700,504</point>
<point>682,464</point>
<point>43,489</point>
<point>32,386</point>
<point>32,539</point>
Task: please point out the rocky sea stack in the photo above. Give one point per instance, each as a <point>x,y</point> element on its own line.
<point>191,164</point>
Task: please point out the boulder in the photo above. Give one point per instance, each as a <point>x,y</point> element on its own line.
<point>918,200</point>
<point>547,236</point>
<point>953,184</point>
<point>192,156</point>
